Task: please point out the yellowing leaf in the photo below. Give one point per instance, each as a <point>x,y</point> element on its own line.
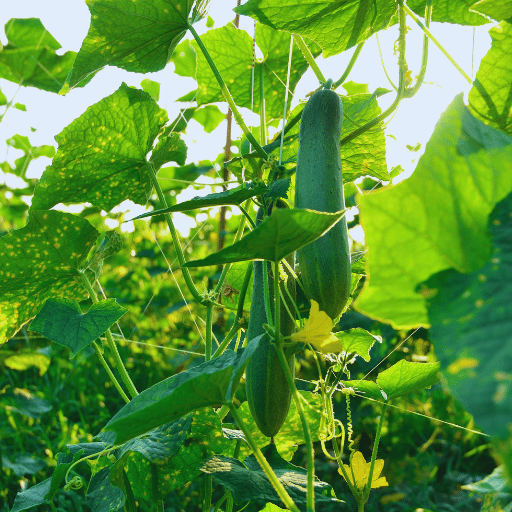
<point>317,331</point>
<point>361,470</point>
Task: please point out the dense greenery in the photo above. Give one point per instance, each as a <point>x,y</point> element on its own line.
<point>123,351</point>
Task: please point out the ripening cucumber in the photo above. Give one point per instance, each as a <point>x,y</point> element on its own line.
<point>324,263</point>
<point>268,392</point>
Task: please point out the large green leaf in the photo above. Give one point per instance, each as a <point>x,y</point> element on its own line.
<point>209,384</point>
<point>471,317</point>
<point>136,36</point>
<point>170,456</point>
<point>29,58</point>
<point>450,11</point>
<point>249,483</point>
<point>40,261</point>
<point>231,50</point>
<point>102,494</point>
<point>233,197</point>
<point>276,237</point>
<point>102,155</point>
<point>43,492</point>
<point>334,25</point>
<point>437,218</point>
<point>497,9</point>
<point>406,377</point>
<point>490,98</point>
<point>358,341</point>
<point>62,321</point>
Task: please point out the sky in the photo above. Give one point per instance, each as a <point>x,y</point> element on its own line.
<point>68,22</point>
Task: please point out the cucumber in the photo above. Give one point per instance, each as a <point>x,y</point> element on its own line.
<point>268,392</point>
<point>325,263</point>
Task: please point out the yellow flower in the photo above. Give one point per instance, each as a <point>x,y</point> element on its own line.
<point>361,470</point>
<point>317,331</point>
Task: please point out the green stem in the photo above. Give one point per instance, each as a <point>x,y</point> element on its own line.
<point>434,40</point>
<point>52,506</point>
<point>411,91</point>
<point>160,506</point>
<point>239,312</point>
<point>227,94</point>
<point>383,65</point>
<point>111,344</point>
<point>374,453</point>
<point>109,372</point>
<point>181,258</point>
<point>309,57</point>
<point>263,124</point>
<point>347,71</point>
<point>9,104</point>
<point>338,453</point>
<point>278,486</point>
<point>305,428</point>
<point>266,295</point>
<point>208,336</point>
<point>247,216</point>
<point>230,502</point>
<point>238,235</point>
<point>401,84</point>
<point>208,488</point>
<point>296,397</point>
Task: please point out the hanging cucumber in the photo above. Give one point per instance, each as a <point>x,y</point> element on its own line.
<point>268,392</point>
<point>324,263</point>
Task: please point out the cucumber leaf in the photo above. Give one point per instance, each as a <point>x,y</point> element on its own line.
<point>135,36</point>
<point>41,261</point>
<point>335,26</point>
<point>489,98</point>
<point>436,219</point>
<point>232,197</point>
<point>276,237</point>
<point>248,482</point>
<point>102,155</point>
<point>62,321</point>
<point>471,318</point>
<point>231,50</point>
<point>209,384</point>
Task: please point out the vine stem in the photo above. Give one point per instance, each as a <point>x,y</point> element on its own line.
<point>112,377</point>
<point>411,91</point>
<point>238,235</point>
<point>401,84</point>
<point>239,312</point>
<point>227,95</point>
<point>181,258</point>
<point>350,65</point>
<point>208,337</point>
<point>278,486</point>
<point>296,397</point>
<point>111,344</point>
<point>434,40</point>
<point>309,57</point>
<point>374,453</point>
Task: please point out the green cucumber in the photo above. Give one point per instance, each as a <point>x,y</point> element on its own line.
<point>325,263</point>
<point>268,392</point>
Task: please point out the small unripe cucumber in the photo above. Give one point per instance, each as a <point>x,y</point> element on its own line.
<point>268,392</point>
<point>324,263</point>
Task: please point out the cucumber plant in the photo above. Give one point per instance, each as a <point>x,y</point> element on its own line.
<point>209,423</point>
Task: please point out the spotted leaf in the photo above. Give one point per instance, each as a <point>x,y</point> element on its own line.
<point>40,261</point>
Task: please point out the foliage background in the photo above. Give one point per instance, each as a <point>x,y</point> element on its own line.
<point>49,401</point>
